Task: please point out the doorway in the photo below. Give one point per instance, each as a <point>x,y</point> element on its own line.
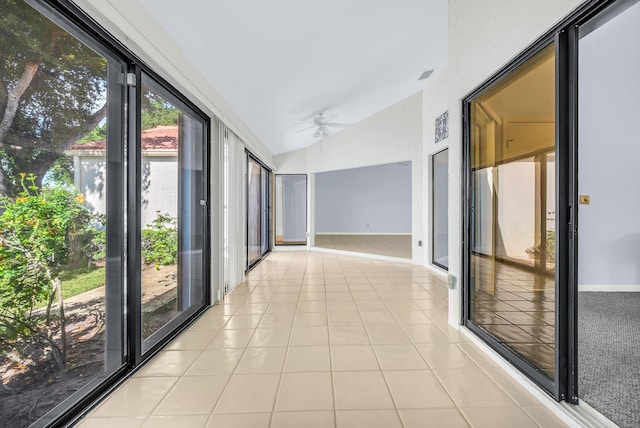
<point>608,267</point>
<point>291,209</point>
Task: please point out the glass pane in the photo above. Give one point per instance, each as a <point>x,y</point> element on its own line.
<point>172,215</point>
<point>440,220</point>
<point>291,209</point>
<point>254,208</point>
<point>265,211</point>
<point>60,283</point>
<point>513,211</point>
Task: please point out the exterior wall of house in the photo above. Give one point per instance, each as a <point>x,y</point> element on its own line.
<point>159,183</point>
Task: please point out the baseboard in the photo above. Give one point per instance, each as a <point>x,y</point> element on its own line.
<point>363,233</point>
<point>632,288</point>
<point>437,269</point>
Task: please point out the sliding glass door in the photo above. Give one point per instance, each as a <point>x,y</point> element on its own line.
<point>61,215</point>
<point>103,212</point>
<point>511,255</point>
<point>291,209</point>
<point>173,208</point>
<point>258,210</point>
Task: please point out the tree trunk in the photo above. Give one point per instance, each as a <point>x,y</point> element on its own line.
<point>52,296</point>
<point>14,95</point>
<point>63,323</point>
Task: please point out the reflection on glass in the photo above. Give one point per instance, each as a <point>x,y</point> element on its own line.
<point>291,209</point>
<point>172,216</point>
<point>440,220</point>
<point>57,332</point>
<point>254,211</point>
<point>513,211</point>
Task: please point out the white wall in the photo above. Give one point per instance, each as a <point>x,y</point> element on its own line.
<point>483,36</point>
<point>608,153</point>
<point>392,135</point>
<point>434,103</point>
<point>373,199</point>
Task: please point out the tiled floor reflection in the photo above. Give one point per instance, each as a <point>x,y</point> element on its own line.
<point>517,306</point>
<point>321,340</point>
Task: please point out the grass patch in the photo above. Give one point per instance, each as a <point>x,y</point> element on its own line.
<point>78,281</point>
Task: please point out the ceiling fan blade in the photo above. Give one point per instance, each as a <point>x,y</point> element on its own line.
<point>341,125</point>
<point>304,129</point>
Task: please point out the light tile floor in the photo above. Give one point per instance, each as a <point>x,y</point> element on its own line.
<point>321,340</point>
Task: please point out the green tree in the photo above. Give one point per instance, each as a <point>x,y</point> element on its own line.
<point>157,111</point>
<point>36,229</point>
<point>52,93</point>
<point>160,241</point>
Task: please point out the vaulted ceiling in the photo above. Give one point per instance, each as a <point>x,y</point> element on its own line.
<point>280,62</point>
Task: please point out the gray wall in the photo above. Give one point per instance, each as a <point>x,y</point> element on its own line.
<point>374,199</point>
<point>609,152</point>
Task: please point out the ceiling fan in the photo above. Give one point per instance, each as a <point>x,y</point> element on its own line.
<point>322,124</point>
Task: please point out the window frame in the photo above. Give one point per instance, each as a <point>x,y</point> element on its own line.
<point>433,206</point>
<point>565,36</point>
<point>265,211</point>
<point>78,24</point>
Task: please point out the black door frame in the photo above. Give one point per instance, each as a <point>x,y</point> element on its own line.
<point>123,179</point>
<point>564,385</point>
<point>264,211</point>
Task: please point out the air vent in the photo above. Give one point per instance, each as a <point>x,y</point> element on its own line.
<point>425,75</point>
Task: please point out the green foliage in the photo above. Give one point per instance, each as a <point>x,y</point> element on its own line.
<point>61,173</point>
<point>77,281</point>
<point>98,133</point>
<point>157,111</point>
<point>64,98</point>
<point>160,241</point>
<point>550,244</point>
<point>36,229</point>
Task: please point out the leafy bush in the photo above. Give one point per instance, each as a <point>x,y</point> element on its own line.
<point>550,247</point>
<point>160,241</point>
<point>36,229</point>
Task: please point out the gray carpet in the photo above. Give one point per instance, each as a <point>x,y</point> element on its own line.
<point>609,355</point>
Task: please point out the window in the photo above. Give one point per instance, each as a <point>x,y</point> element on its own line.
<point>512,248</point>
<point>258,210</point>
<point>103,233</point>
<point>172,210</point>
<point>440,209</point>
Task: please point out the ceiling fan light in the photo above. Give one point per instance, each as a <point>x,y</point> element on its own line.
<point>317,134</point>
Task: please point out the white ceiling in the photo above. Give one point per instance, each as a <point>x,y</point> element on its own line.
<point>279,62</point>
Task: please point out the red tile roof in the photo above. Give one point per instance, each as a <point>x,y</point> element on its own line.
<point>164,137</point>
